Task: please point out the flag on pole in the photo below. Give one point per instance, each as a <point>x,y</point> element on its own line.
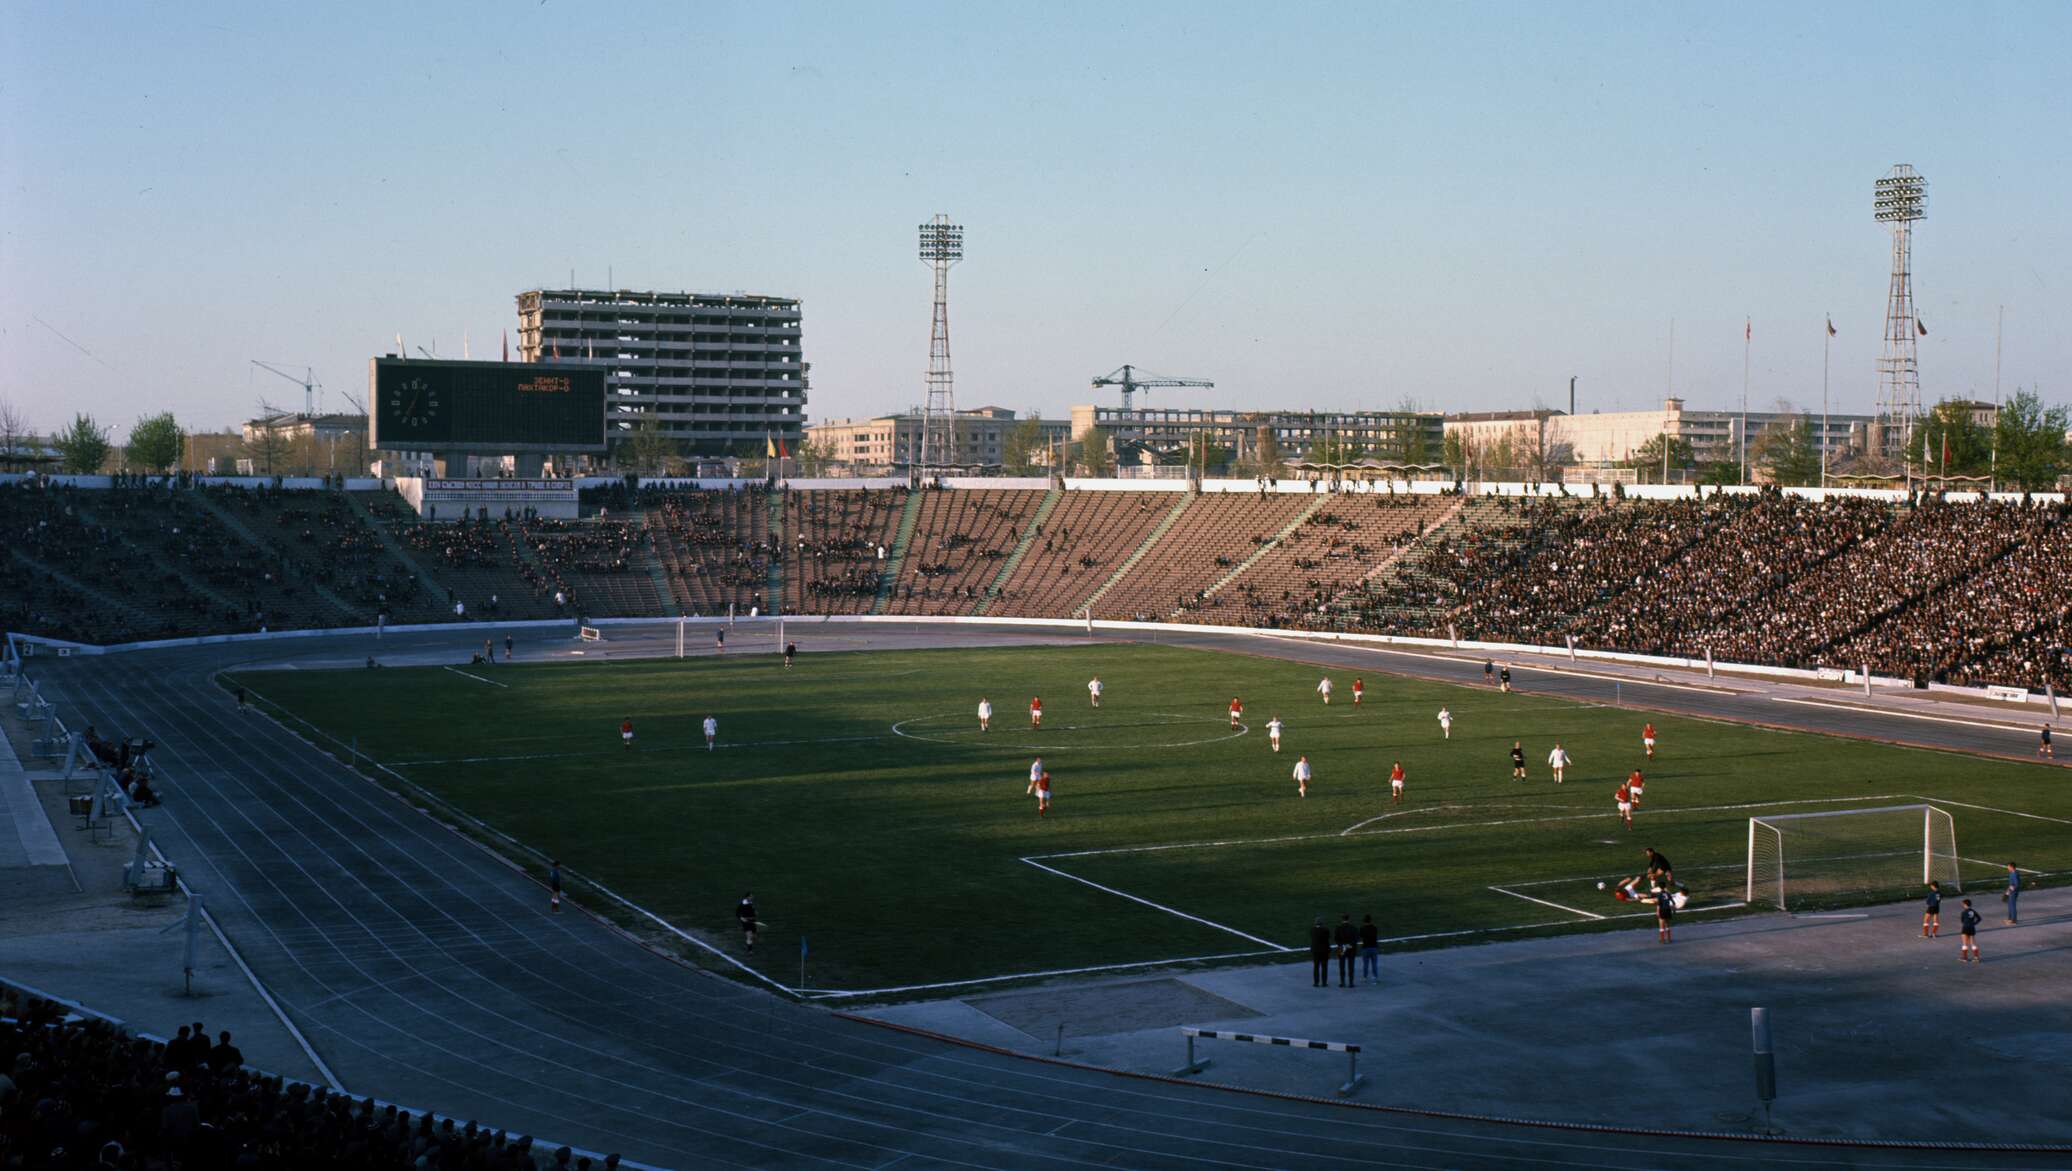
<point>557,351</point>
<point>1748,329</point>
<point>769,446</point>
<point>1830,326</point>
<point>1922,326</point>
<point>507,345</point>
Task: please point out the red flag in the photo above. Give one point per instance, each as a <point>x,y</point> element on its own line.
<point>557,351</point>
<point>1922,326</point>
<point>507,345</point>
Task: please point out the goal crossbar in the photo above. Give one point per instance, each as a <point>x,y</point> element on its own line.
<point>1791,869</point>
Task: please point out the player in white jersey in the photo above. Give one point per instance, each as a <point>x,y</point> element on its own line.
<point>985,714</point>
<point>1035,773</point>
<point>1558,761</point>
<point>1302,776</point>
<point>1324,688</point>
<point>711,731</point>
<point>1273,733</point>
<point>1094,689</point>
<point>1446,723</point>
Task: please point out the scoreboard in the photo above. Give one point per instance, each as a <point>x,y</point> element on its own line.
<point>495,408</point>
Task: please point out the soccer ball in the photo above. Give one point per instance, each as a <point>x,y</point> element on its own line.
<point>1600,886</point>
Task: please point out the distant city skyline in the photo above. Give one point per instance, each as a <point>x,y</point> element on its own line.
<point>1341,208</point>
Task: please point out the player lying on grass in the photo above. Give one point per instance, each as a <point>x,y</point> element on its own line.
<point>1627,890</point>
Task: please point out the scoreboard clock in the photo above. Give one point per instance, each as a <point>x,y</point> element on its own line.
<point>499,408</point>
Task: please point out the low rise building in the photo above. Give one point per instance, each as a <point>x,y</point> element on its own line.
<point>884,444</point>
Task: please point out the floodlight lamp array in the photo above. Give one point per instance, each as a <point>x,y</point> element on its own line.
<point>942,241</point>
<point>1900,198</point>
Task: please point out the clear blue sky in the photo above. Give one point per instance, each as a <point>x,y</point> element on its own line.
<point>1317,206</point>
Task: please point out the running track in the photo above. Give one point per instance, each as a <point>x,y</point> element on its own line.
<point>427,972</point>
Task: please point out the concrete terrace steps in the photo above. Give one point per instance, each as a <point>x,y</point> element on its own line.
<point>658,564</point>
<point>1397,554</point>
<point>433,587</point>
<point>1165,525</point>
<point>1021,549</point>
<point>1263,550</point>
<point>774,595</point>
<point>196,584</point>
<point>113,603</point>
<point>280,556</point>
<point>889,575</point>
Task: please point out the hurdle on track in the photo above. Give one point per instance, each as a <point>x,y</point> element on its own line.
<point>1351,1051</point>
<point>589,634</point>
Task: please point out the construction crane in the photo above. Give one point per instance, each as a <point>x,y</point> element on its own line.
<point>1131,381</point>
<point>307,380</point>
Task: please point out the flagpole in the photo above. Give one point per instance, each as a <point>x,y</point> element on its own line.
<point>1827,345</point>
<point>1747,340</point>
<point>1993,471</point>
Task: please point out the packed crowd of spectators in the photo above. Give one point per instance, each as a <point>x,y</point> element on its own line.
<point>78,1094</point>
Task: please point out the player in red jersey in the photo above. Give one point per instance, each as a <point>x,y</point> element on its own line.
<point>626,731</point>
<point>1396,784</point>
<point>1359,689</point>
<point>1647,738</point>
<point>1624,796</point>
<point>1041,787</point>
<point>1636,782</point>
<point>1036,712</point>
<point>1236,710</point>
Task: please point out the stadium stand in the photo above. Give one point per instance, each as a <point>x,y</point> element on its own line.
<point>1216,531</point>
<point>715,546</point>
<point>1964,592</point>
<point>837,547</point>
<point>1086,536</point>
<point>958,545</point>
<point>76,1092</point>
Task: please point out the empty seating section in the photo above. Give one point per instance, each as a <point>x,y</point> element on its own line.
<point>960,540</point>
<point>714,545</point>
<point>1337,546</point>
<point>600,566</point>
<point>482,567</point>
<point>322,541</point>
<point>838,544</point>
<point>1966,592</point>
<point>1217,530</point>
<point>1087,536</point>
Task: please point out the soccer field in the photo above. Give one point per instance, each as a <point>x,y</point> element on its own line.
<point>856,796</point>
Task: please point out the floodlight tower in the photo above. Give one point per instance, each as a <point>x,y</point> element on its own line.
<point>1900,200</point>
<point>942,245</point>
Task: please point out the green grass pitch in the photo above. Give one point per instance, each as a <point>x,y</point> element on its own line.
<point>855,795</point>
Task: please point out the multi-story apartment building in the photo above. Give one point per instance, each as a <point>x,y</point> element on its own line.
<point>888,443</point>
<point>717,372</point>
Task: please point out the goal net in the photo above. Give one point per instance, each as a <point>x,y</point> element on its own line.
<point>1805,861</point>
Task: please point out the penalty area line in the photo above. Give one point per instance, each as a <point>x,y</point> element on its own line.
<point>1543,902</point>
<point>476,678</point>
<point>835,993</point>
<point>1158,906</point>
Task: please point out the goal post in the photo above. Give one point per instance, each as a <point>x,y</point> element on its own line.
<point>1801,861</point>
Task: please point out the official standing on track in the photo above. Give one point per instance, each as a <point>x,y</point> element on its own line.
<point>1370,950</point>
<point>554,885</point>
<point>1319,954</point>
<point>1347,937</point>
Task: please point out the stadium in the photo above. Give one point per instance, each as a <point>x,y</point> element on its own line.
<point>1568,677</point>
<point>371,798</point>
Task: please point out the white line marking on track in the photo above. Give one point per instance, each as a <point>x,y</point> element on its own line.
<point>1875,711</point>
<point>477,678</point>
<point>1157,906</point>
<point>1516,665</point>
<point>1543,902</point>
